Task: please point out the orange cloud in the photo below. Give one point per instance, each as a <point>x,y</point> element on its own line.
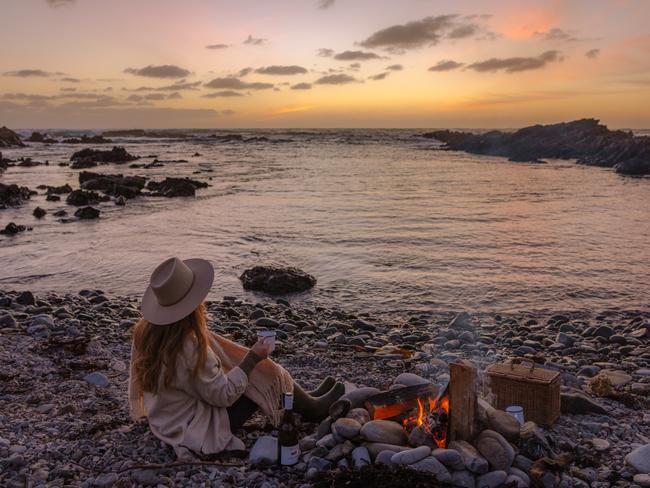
<point>524,22</point>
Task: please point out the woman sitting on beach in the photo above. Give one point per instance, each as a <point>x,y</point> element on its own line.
<point>195,387</point>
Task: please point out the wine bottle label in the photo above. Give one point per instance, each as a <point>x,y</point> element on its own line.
<point>289,455</point>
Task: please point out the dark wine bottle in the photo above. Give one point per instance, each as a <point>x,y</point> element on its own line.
<point>288,449</point>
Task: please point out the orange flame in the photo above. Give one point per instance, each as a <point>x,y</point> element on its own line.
<point>421,418</point>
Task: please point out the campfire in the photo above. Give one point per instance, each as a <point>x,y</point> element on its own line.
<point>421,409</point>
<point>430,422</point>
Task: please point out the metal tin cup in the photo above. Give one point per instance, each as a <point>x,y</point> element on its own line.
<point>517,412</point>
<point>267,336</point>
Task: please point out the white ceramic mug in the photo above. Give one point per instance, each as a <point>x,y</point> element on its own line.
<point>268,336</point>
<point>517,412</point>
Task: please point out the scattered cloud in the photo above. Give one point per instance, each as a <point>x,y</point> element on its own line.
<point>162,71</point>
<point>244,72</point>
<point>325,53</point>
<point>223,93</point>
<point>59,3</point>
<point>135,98</point>
<point>155,96</point>
<point>301,86</point>
<point>177,86</point>
<point>556,34</point>
<point>380,76</point>
<point>593,53</point>
<point>425,32</point>
<point>445,65</point>
<point>516,64</point>
<point>356,56</point>
<point>463,31</point>
<point>29,97</point>
<point>217,46</point>
<point>254,41</point>
<point>281,70</point>
<point>28,73</point>
<point>325,4</point>
<point>71,80</point>
<point>340,79</point>
<point>355,66</point>
<point>395,67</point>
<point>174,96</point>
<point>236,84</point>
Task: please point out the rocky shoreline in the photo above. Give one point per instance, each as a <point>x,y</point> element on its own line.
<point>586,140</point>
<point>64,417</point>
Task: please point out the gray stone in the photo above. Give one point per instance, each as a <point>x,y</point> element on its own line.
<point>521,474</point>
<point>360,395</point>
<point>463,320</point>
<point>319,464</point>
<point>7,320</point>
<point>639,459</point>
<point>384,457</point>
<point>411,456</point>
<point>449,457</point>
<point>471,458</point>
<point>492,479</point>
<point>375,448</point>
<point>361,415</point>
<point>463,479</point>
<point>361,457</point>
<point>433,466</point>
<point>97,379</point>
<point>346,428</point>
<point>496,449</point>
<point>579,403</point>
<point>515,481</point>
<point>504,423</point>
<point>327,441</point>
<point>307,443</point>
<point>410,379</point>
<point>325,427</point>
<point>642,480</point>
<point>264,452</point>
<point>384,431</point>
<point>266,322</point>
<point>105,480</point>
<point>43,319</point>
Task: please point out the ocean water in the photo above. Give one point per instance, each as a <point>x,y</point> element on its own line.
<point>382,218</point>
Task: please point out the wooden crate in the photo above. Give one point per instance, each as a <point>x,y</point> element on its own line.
<point>534,388</point>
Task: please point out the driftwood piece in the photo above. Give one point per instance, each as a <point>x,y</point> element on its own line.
<point>462,401</point>
<point>392,403</point>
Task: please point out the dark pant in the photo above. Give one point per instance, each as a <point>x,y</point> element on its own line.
<point>240,411</point>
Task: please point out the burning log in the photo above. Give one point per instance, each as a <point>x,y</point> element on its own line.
<point>393,404</point>
<point>462,400</point>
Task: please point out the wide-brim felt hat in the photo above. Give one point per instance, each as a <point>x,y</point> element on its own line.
<point>176,289</point>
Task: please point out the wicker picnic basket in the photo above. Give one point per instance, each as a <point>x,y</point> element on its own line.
<point>534,388</point>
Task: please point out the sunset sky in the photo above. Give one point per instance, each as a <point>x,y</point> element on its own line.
<point>323,63</point>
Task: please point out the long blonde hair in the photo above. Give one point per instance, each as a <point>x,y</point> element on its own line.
<point>156,347</point>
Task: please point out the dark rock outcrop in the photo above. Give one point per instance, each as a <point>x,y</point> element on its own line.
<point>585,140</point>
<point>12,228</point>
<point>114,185</point>
<point>14,195</point>
<point>39,213</point>
<point>87,158</point>
<point>87,140</point>
<point>80,198</point>
<point>9,138</point>
<point>58,190</point>
<point>38,137</point>
<point>276,280</point>
<point>87,213</point>
<point>175,187</point>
